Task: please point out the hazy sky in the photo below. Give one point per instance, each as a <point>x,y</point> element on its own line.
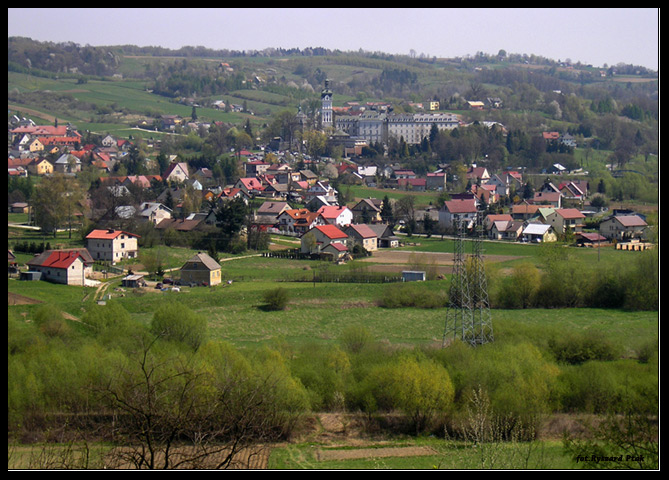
<point>594,36</point>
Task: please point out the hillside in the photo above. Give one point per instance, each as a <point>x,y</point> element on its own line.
<point>109,88</point>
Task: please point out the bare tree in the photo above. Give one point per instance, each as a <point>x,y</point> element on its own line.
<point>174,411</point>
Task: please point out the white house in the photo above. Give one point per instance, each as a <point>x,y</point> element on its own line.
<point>176,172</point>
<point>456,211</point>
<point>111,245</point>
<point>336,215</point>
<point>154,212</point>
<point>69,267</point>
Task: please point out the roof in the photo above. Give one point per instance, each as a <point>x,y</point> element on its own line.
<point>524,208</point>
<point>272,207</point>
<point>536,229</point>
<point>569,213</point>
<point>340,247</point>
<point>57,258</point>
<point>331,231</point>
<point>460,206</point>
<point>331,211</point>
<point>630,221</point>
<point>204,259</point>
<point>592,237</point>
<point>363,230</point>
<point>107,234</point>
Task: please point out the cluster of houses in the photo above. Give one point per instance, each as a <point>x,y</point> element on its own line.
<point>47,149</point>
<point>75,266</point>
<point>323,225</point>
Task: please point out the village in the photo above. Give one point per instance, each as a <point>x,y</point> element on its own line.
<point>284,199</point>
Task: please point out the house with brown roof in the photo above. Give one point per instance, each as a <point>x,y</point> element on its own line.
<point>362,235</point>
<point>524,211</point>
<point>367,210</point>
<point>40,166</point>
<point>458,211</point>
<point>553,199</point>
<point>299,220</point>
<point>202,270</point>
<point>562,219</point>
<point>623,227</point>
<point>177,172</point>
<point>506,230</point>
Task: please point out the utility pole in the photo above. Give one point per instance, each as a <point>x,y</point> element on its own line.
<point>468,315</point>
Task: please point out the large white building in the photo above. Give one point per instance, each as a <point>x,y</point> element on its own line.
<point>374,126</point>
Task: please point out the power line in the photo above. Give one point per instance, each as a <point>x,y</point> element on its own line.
<point>468,315</point>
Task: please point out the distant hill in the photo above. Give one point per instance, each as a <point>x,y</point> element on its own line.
<point>119,85</point>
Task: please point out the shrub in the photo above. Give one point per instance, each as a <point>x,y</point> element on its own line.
<point>575,348</point>
<point>276,299</point>
<point>355,338</point>
<point>176,322</point>
<point>412,295</point>
<point>413,384</point>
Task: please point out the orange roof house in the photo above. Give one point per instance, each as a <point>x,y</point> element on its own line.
<point>111,245</point>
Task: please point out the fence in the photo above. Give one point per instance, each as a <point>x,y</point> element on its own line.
<point>345,277</point>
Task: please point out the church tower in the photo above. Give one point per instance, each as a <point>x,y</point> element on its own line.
<point>327,119</point>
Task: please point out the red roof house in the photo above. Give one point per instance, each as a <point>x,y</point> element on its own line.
<point>62,266</point>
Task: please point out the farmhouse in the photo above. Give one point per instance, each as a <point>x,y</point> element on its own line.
<point>201,269</point>
<point>69,267</point>
<point>111,245</point>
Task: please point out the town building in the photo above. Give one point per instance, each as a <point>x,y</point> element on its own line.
<point>111,245</point>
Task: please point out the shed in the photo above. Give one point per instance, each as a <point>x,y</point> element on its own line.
<point>413,276</point>
<point>30,276</point>
<point>133,281</point>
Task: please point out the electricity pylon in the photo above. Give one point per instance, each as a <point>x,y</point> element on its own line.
<point>468,316</point>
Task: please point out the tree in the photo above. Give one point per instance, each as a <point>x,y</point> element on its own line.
<point>51,203</point>
<point>387,211</point>
<point>231,218</point>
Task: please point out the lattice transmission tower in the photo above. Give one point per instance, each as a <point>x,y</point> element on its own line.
<point>468,315</point>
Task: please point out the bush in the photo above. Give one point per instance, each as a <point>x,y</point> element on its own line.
<point>412,295</point>
<point>176,322</point>
<point>576,348</point>
<point>355,338</point>
<point>418,386</point>
<point>276,299</point>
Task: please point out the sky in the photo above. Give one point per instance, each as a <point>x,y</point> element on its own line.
<point>596,36</point>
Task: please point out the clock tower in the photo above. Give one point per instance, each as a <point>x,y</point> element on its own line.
<point>326,106</point>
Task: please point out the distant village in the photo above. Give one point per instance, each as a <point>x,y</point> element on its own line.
<point>287,197</point>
